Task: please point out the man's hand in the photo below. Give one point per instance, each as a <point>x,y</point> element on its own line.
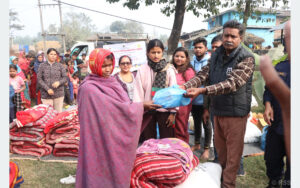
<point>148,105</point>
<point>194,92</point>
<point>205,116</point>
<point>182,87</point>
<point>171,120</point>
<point>50,92</point>
<point>55,84</point>
<point>268,114</point>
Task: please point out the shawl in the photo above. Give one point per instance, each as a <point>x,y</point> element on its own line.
<point>37,63</point>
<point>11,62</point>
<point>109,131</point>
<point>161,76</point>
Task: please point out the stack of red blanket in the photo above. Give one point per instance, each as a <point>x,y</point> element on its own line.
<point>63,132</point>
<point>156,170</point>
<point>27,135</point>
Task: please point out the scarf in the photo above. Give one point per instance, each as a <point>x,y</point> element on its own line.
<point>11,62</point>
<point>161,76</point>
<point>96,60</point>
<point>37,63</point>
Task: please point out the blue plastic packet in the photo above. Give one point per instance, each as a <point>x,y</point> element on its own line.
<point>263,138</point>
<point>171,97</point>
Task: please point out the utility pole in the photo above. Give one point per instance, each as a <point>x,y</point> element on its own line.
<point>42,26</point>
<point>61,27</point>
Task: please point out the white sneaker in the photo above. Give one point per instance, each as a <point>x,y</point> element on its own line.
<point>68,180</point>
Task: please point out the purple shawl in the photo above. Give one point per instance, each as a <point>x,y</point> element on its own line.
<point>109,131</point>
<point>172,147</point>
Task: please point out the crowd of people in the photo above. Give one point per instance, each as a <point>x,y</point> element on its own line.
<point>44,79</point>
<point>117,112</point>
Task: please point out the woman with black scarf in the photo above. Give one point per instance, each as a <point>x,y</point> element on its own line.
<point>151,77</point>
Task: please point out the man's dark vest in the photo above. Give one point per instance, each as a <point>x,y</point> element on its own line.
<point>236,103</point>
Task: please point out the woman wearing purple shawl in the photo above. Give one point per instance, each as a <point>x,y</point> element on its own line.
<point>110,125</point>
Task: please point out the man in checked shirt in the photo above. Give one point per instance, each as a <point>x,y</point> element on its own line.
<point>229,74</point>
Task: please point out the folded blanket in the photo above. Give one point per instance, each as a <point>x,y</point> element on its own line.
<point>63,130</point>
<point>67,148</point>
<point>61,119</point>
<point>169,146</point>
<point>31,134</point>
<point>38,149</point>
<point>157,171</point>
<point>51,113</point>
<point>31,115</point>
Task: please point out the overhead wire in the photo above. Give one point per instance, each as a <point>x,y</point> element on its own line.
<point>112,15</point>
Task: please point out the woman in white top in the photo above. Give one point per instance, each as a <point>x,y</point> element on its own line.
<point>125,77</point>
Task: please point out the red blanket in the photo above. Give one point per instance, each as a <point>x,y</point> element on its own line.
<point>38,149</point>
<point>61,119</point>
<point>31,115</point>
<point>67,148</point>
<point>51,113</point>
<point>63,129</point>
<point>158,171</point>
<point>31,134</point>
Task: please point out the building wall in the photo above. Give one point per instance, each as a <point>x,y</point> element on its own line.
<point>265,34</point>
<point>209,39</point>
<point>277,33</point>
<point>268,20</point>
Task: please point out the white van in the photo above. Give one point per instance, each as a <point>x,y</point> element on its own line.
<point>136,50</point>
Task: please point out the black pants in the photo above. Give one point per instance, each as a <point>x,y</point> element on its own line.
<point>197,112</point>
<point>274,154</point>
<point>67,98</point>
<point>150,130</point>
<point>12,114</point>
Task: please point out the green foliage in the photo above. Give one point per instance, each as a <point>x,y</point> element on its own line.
<point>13,21</point>
<point>195,6</point>
<point>258,87</point>
<point>126,27</point>
<point>116,26</point>
<point>77,26</point>
<point>26,40</point>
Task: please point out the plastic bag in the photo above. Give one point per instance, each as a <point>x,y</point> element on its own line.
<point>171,97</point>
<point>206,174</point>
<point>263,138</point>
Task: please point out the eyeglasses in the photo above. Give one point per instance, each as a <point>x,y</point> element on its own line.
<point>125,63</point>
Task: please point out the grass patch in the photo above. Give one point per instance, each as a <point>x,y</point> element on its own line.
<point>255,173</point>
<point>38,174</point>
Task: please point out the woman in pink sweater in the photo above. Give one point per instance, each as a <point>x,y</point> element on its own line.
<point>151,77</point>
<point>185,72</point>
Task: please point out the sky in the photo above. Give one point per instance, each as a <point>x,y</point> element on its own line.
<point>29,16</point>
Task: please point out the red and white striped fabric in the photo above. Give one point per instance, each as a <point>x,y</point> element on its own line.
<point>31,115</point>
<point>67,148</point>
<point>61,119</point>
<point>38,149</point>
<point>63,130</point>
<point>158,171</point>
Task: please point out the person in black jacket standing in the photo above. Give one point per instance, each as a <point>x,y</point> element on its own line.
<point>275,144</point>
<point>229,74</point>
